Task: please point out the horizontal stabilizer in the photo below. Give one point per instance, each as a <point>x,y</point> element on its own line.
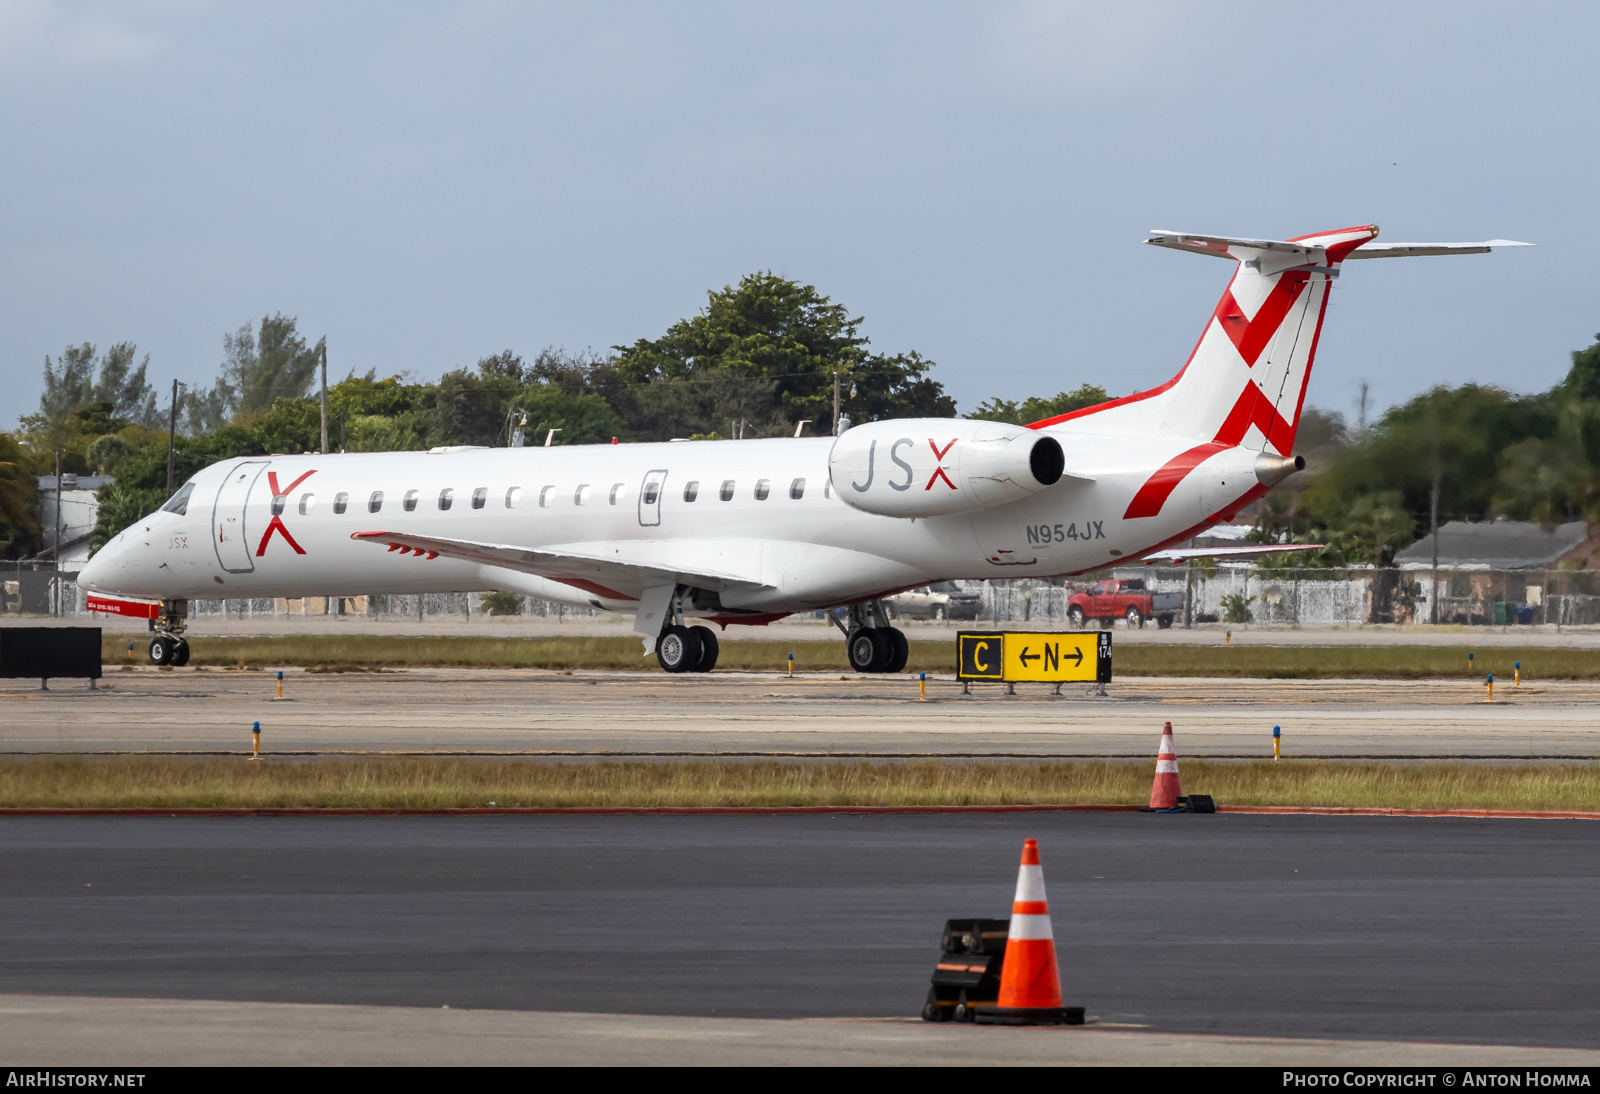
<point>1219,245</point>
<point>617,570</point>
<point>1180,554</point>
<point>1409,250</point>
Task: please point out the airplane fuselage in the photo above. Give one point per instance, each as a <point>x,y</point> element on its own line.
<point>762,509</point>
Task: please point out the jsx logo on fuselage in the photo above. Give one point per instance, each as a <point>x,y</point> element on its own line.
<point>279,498</point>
<point>894,455</point>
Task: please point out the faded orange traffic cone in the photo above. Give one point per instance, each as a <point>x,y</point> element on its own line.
<point>1030,983</point>
<point>1166,790</point>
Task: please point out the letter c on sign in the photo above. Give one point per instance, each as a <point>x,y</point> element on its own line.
<point>981,666</point>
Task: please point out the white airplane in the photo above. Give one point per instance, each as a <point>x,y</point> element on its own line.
<point>750,531</point>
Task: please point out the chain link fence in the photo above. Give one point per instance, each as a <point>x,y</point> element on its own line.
<point>1212,594</point>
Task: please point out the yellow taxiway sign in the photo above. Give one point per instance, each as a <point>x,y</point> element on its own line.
<point>1038,656</point>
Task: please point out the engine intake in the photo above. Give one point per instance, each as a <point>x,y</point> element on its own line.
<point>925,467</point>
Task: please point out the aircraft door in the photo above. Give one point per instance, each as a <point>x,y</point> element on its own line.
<point>655,484</point>
<point>228,531</point>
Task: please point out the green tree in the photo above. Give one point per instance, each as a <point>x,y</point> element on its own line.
<point>264,366</point>
<point>766,351</point>
<point>1460,432</point>
<point>19,500</point>
<point>1035,409</point>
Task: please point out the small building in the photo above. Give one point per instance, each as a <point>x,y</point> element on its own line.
<point>1499,544</point>
<point>80,510</point>
<point>1504,571</point>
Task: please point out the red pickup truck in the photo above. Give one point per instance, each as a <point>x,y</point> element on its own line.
<point>1124,598</point>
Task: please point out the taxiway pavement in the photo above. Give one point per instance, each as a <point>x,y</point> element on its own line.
<point>1346,928</point>
<point>530,711</point>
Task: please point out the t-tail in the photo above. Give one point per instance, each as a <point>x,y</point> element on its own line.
<point>1245,383</point>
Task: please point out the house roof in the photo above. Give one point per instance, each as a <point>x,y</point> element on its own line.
<point>1496,545</point>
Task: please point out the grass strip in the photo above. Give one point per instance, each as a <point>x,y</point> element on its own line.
<point>355,652</point>
<point>424,783</point>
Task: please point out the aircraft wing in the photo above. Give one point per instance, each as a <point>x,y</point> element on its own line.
<point>611,569</point>
<point>1184,554</point>
<point>1405,250</point>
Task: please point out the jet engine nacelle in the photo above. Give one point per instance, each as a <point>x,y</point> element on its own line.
<point>926,467</point>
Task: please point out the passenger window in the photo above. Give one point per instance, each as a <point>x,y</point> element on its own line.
<point>180,501</point>
<point>652,491</point>
<point>617,492</point>
<point>306,502</point>
<point>580,496</point>
<point>278,502</point>
<point>446,496</point>
<point>727,490</point>
<point>375,502</point>
<point>691,490</point>
<point>797,489</point>
<point>763,488</point>
<point>545,495</point>
<point>513,496</point>
<point>409,502</point>
<point>341,502</point>
<point>479,496</point>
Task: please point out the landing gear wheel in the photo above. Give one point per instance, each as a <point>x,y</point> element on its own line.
<point>1135,620</point>
<point>708,648</point>
<point>868,649</point>
<point>899,650</point>
<point>162,650</point>
<point>180,656</point>
<point>678,649</point>
<point>1075,616</point>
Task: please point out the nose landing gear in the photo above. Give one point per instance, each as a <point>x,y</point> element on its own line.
<point>870,643</point>
<point>169,647</point>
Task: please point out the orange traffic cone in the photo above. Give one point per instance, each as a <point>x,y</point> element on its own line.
<point>1166,790</point>
<point>1030,985</point>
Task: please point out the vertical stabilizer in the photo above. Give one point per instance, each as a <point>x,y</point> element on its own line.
<point>1246,381</point>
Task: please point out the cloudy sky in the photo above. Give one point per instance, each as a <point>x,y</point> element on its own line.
<point>427,183</point>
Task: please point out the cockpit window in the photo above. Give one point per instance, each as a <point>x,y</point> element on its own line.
<point>180,501</point>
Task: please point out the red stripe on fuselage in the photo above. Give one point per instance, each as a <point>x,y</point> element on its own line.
<point>1154,493</point>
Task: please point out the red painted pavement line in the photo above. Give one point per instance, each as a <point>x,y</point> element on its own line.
<point>1359,811</point>
<point>766,810</point>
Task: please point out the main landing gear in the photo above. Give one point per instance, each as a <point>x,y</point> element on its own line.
<point>871,644</point>
<point>168,646</point>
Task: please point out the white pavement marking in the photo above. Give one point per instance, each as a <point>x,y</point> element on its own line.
<point>66,1031</point>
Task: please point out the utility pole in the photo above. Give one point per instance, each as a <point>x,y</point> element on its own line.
<point>172,435</point>
<point>322,351</point>
<point>55,551</point>
<point>1433,511</point>
<point>835,404</point>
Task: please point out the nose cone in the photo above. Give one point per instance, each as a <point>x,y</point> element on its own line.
<point>100,572</point>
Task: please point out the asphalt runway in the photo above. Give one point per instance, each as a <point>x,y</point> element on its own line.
<point>1374,928</point>
<point>531,711</point>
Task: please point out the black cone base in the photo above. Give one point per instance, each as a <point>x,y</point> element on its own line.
<point>1031,1016</point>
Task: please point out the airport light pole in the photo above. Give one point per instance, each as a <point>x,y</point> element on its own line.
<point>172,435</point>
<point>322,352</point>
